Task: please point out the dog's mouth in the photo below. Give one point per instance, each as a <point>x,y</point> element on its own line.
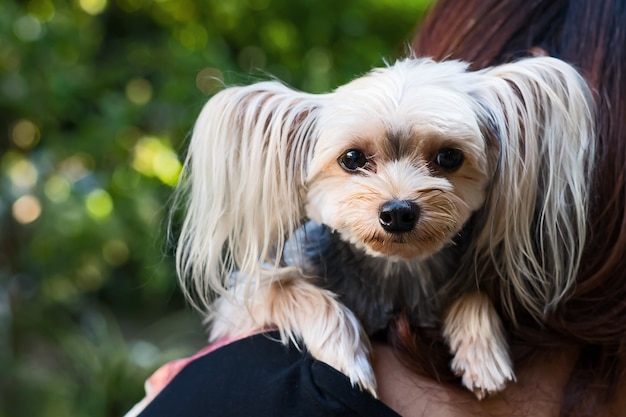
<point>405,245</point>
<point>435,226</point>
<point>420,242</point>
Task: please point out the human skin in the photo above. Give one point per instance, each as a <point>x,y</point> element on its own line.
<point>537,391</point>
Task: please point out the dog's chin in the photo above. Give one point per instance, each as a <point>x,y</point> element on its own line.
<point>396,247</point>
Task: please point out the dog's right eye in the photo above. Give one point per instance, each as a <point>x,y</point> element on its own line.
<point>352,160</point>
<point>449,159</point>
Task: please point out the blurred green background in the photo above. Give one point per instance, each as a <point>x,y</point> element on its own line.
<point>97,98</point>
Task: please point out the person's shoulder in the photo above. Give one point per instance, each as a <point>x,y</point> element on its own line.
<point>261,376</point>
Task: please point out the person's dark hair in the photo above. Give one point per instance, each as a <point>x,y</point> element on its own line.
<point>591,35</point>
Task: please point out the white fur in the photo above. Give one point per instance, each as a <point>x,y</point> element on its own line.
<point>263,158</point>
<point>474,333</point>
<point>543,177</point>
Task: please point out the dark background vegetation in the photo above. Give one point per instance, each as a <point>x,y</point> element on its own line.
<point>97,98</point>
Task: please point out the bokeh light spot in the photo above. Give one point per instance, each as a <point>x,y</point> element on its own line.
<point>26,209</point>
<point>27,28</point>
<point>115,252</point>
<point>89,277</point>
<point>25,134</point>
<point>139,91</point>
<point>43,9</point>
<point>210,80</point>
<point>154,158</point>
<point>167,167</point>
<point>99,204</point>
<point>57,189</point>
<point>282,35</point>
<point>23,173</point>
<point>77,166</point>
<point>93,7</point>
<point>193,37</point>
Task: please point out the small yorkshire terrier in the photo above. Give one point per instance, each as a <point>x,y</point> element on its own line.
<point>322,216</point>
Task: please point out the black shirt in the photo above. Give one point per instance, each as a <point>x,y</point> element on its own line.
<point>259,376</point>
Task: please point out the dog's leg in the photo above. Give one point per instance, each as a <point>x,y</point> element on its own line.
<point>474,334</point>
<point>301,312</point>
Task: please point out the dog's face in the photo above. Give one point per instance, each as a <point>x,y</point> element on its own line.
<point>400,164</point>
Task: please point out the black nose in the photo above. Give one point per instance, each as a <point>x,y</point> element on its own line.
<point>398,216</point>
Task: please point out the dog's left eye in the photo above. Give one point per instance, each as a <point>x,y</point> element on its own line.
<point>352,160</point>
<point>449,159</point>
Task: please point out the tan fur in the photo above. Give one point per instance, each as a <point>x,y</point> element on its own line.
<point>302,312</point>
<point>474,333</point>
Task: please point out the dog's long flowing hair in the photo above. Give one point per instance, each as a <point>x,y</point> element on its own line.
<point>254,149</point>
<point>240,209</point>
<point>584,33</point>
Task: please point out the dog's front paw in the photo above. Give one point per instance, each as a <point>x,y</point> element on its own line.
<point>348,352</point>
<point>474,334</point>
<point>484,368</point>
<point>328,329</point>
<point>302,312</point>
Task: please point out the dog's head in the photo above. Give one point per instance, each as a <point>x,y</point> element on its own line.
<point>396,162</point>
<point>401,160</point>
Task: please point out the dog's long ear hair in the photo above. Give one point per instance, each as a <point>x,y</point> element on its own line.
<point>533,227</point>
<point>243,185</point>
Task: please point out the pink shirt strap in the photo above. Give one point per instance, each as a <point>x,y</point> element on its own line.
<point>162,376</point>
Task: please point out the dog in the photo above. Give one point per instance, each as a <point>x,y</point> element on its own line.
<point>323,215</point>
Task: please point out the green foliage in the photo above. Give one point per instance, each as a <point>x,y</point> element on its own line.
<point>97,99</point>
